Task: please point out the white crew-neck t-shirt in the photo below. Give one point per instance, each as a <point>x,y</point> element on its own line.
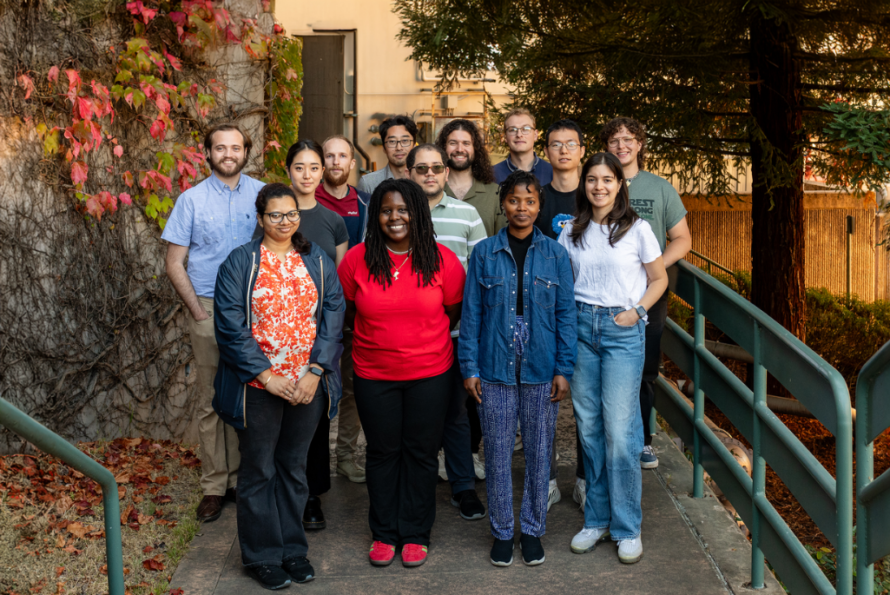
<point>611,276</point>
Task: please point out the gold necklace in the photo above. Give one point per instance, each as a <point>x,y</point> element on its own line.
<point>396,274</point>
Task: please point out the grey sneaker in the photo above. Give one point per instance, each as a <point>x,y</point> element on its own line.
<point>648,460</point>
<point>586,539</point>
<point>579,494</point>
<point>553,494</point>
<point>478,467</point>
<point>443,474</point>
<point>630,550</point>
<point>351,471</point>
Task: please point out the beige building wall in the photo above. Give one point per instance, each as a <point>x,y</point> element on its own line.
<point>387,81</point>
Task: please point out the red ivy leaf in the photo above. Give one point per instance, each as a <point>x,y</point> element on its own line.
<point>84,108</point>
<point>27,83</point>
<point>128,178</point>
<point>73,84</point>
<point>79,171</point>
<point>158,130</point>
<point>95,208</point>
<point>174,61</point>
<point>125,198</point>
<point>162,104</point>
<point>118,151</point>
<point>53,74</point>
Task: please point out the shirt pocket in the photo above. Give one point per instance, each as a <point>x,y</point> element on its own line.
<point>210,228</point>
<point>545,291</point>
<point>492,291</point>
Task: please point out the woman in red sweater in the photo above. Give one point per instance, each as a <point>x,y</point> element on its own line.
<point>403,291</point>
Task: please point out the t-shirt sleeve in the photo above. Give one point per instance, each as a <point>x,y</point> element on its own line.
<point>674,210</point>
<point>649,248</point>
<point>178,229</point>
<point>341,234</point>
<point>453,278</point>
<point>346,272</point>
<point>564,237</point>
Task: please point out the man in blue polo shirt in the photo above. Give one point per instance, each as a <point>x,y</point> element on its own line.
<point>520,135</point>
<point>207,223</point>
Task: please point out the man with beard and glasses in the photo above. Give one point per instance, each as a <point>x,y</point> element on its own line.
<point>338,196</point>
<point>207,223</point>
<point>459,228</point>
<point>470,176</point>
<point>398,134</point>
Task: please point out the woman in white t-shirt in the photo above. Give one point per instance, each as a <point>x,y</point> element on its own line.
<point>619,274</point>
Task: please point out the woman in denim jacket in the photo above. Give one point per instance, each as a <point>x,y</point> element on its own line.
<point>517,355</point>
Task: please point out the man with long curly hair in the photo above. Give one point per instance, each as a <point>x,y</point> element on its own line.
<point>470,176</point>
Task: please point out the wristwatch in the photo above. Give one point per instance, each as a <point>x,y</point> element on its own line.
<point>641,311</point>
<point>317,371</point>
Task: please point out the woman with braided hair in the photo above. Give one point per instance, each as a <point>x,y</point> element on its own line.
<point>403,296</point>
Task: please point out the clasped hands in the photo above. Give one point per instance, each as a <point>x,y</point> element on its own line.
<point>300,393</point>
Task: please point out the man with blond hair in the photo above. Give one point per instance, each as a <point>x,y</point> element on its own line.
<point>520,134</point>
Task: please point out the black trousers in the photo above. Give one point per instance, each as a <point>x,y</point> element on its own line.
<point>318,461</point>
<point>654,330</point>
<point>272,490</point>
<point>403,422</point>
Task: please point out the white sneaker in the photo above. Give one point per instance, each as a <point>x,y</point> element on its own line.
<point>553,494</point>
<point>586,539</point>
<point>579,495</point>
<point>478,467</point>
<point>517,444</point>
<point>630,550</point>
<point>442,473</point>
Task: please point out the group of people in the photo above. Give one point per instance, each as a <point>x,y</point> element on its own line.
<point>442,305</point>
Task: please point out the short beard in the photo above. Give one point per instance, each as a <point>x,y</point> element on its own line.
<point>454,166</point>
<point>223,170</point>
<point>338,181</point>
<point>431,195</point>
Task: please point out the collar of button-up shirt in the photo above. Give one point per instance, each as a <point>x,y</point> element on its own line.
<point>221,186</point>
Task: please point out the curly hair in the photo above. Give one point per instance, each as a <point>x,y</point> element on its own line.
<point>632,126</point>
<point>276,190</point>
<point>520,177</point>
<point>482,170</point>
<point>622,216</point>
<point>426,260</point>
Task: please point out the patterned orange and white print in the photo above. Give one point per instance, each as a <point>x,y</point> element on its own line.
<point>283,304</point>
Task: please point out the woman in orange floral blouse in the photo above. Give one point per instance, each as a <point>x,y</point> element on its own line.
<point>279,313</point>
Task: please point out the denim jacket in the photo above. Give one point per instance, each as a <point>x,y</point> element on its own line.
<point>240,356</point>
<point>486,346</point>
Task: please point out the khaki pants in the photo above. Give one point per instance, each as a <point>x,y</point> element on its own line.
<point>349,425</point>
<point>219,443</point>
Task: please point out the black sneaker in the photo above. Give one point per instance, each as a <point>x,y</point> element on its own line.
<point>532,550</point>
<point>299,569</point>
<point>270,577</point>
<point>313,517</point>
<point>502,552</point>
<point>470,506</point>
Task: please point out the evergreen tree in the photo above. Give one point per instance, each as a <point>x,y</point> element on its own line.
<point>720,85</point>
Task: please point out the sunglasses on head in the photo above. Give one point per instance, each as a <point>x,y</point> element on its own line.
<point>422,169</point>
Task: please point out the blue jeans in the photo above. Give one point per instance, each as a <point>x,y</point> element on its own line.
<point>606,396</point>
<point>456,436</point>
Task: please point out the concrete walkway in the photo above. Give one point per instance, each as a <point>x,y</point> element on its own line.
<point>691,547</point>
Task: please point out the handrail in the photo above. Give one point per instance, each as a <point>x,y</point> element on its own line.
<point>711,263</point>
<point>873,495</point>
<point>818,386</point>
<point>53,444</point>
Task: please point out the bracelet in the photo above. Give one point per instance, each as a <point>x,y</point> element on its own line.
<point>267,380</point>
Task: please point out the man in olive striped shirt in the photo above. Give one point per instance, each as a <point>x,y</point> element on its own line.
<point>459,228</point>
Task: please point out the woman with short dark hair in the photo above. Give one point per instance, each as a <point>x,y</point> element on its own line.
<point>278,315</point>
<point>403,296</point>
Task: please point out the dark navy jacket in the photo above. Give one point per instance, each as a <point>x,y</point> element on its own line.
<point>486,345</point>
<point>357,234</point>
<point>240,357</point>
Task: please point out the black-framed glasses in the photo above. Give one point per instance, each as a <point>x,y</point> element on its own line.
<point>276,217</point>
<point>422,169</point>
<point>571,145</point>
<point>393,142</point>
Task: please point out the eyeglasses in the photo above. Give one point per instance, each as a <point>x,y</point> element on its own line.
<point>277,217</point>
<point>627,141</point>
<point>514,131</point>
<point>392,143</point>
<point>422,169</point>
<point>571,145</point>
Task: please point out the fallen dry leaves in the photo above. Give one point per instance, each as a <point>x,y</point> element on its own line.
<point>56,514</point>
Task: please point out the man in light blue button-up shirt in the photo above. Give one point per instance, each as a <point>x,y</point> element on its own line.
<point>207,223</point>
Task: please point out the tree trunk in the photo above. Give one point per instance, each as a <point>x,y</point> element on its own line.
<point>777,241</point>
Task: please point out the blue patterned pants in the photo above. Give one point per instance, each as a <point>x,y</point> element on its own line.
<point>502,407</point>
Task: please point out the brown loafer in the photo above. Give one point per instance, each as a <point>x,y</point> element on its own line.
<point>210,508</point>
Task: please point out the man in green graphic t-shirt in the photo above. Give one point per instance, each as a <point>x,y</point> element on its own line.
<point>656,201</point>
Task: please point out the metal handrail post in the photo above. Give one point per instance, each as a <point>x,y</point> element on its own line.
<point>53,444</point>
<point>698,470</point>
<point>758,471</point>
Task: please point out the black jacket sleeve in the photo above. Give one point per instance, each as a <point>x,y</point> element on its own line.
<point>329,334</point>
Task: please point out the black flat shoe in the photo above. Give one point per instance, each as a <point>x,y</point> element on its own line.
<point>270,577</point>
<point>502,552</point>
<point>470,506</point>
<point>313,517</point>
<point>299,569</point>
<point>231,495</point>
<point>532,550</point>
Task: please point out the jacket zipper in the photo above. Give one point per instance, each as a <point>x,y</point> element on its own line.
<point>247,308</point>
<point>320,310</point>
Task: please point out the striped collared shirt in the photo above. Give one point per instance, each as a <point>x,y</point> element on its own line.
<point>458,227</point>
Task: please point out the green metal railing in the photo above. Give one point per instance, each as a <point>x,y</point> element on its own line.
<point>873,496</point>
<point>711,263</point>
<point>821,388</point>
<point>51,443</point>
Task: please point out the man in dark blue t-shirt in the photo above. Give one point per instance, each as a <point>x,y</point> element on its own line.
<point>520,135</point>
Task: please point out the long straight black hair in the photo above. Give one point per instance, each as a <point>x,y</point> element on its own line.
<point>622,216</point>
<point>425,256</point>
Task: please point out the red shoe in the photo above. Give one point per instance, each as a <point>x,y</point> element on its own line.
<point>413,554</point>
<point>382,554</point>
